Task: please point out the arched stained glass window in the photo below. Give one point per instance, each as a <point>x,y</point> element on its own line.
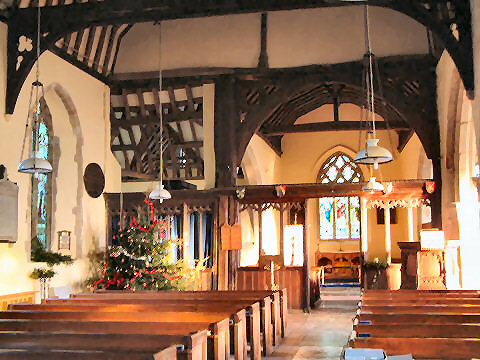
<point>40,217</point>
<point>339,168</point>
<point>339,215</point>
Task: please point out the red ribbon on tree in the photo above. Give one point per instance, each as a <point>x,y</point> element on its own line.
<point>134,223</point>
<point>164,274</point>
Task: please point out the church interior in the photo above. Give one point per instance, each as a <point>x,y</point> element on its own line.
<point>263,157</point>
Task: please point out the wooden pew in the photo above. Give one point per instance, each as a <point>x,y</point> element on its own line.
<point>270,318</point>
<point>202,305</point>
<point>34,354</point>
<point>101,342</point>
<point>437,319</point>
<point>279,301</point>
<point>420,294</point>
<point>423,348</point>
<point>236,308</point>
<point>421,301</point>
<point>422,309</point>
<point>219,323</point>
<point>418,330</point>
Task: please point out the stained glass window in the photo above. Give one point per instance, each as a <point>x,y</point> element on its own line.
<point>339,168</point>
<point>40,226</point>
<point>339,216</point>
<point>326,218</point>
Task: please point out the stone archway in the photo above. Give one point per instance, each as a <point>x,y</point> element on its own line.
<point>54,93</point>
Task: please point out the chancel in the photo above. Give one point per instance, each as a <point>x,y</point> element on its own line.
<point>226,179</point>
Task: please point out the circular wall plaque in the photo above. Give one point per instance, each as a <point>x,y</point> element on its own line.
<point>94,180</point>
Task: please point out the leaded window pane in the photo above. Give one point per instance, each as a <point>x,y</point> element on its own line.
<point>339,216</point>
<point>40,188</point>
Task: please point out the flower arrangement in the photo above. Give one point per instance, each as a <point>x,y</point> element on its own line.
<point>376,264</point>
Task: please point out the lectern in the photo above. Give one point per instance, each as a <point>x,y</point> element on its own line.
<point>422,268</point>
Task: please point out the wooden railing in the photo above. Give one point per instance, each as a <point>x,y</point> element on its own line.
<point>23,297</point>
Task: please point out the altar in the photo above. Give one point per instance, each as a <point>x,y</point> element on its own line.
<point>337,264</point>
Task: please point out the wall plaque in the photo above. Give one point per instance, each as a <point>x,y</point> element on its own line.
<point>94,180</point>
<point>8,210</point>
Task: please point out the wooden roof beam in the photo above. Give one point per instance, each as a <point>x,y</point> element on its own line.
<point>334,126</point>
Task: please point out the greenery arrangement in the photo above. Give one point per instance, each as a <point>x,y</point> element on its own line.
<point>39,273</point>
<point>376,264</point>
<point>40,254</point>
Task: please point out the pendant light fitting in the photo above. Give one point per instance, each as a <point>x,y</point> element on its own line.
<point>35,164</point>
<point>160,193</point>
<point>373,186</point>
<point>372,154</point>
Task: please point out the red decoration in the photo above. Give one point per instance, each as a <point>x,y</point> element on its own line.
<point>430,187</point>
<point>164,274</point>
<point>163,228</point>
<point>280,190</point>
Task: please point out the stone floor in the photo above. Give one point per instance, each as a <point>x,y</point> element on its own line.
<point>321,334</point>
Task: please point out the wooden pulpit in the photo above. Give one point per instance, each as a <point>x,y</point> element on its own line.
<point>422,269</point>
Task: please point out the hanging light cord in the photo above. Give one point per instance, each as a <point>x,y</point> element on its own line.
<point>370,69</point>
<point>160,101</point>
<point>35,84</point>
<point>38,41</point>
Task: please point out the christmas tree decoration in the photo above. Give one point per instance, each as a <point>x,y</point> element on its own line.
<point>142,259</point>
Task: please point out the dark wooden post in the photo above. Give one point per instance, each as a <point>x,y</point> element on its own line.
<point>436,197</point>
<point>225,125</point>
<point>306,261</point>
<point>225,142</point>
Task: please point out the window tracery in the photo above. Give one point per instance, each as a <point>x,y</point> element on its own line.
<point>340,215</point>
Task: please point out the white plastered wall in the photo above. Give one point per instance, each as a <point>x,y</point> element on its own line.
<point>294,38</point>
<point>80,115</point>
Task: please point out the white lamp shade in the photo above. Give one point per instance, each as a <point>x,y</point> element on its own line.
<point>34,165</point>
<point>159,193</point>
<point>373,186</point>
<point>373,154</point>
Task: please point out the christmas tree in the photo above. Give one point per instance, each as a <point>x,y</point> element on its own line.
<point>142,259</point>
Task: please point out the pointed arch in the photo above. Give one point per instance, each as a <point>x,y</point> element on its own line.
<point>54,92</point>
<point>339,168</point>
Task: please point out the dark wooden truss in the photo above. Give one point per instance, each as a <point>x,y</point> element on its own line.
<point>270,102</point>
<point>65,20</point>
<point>135,132</point>
<point>267,102</point>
